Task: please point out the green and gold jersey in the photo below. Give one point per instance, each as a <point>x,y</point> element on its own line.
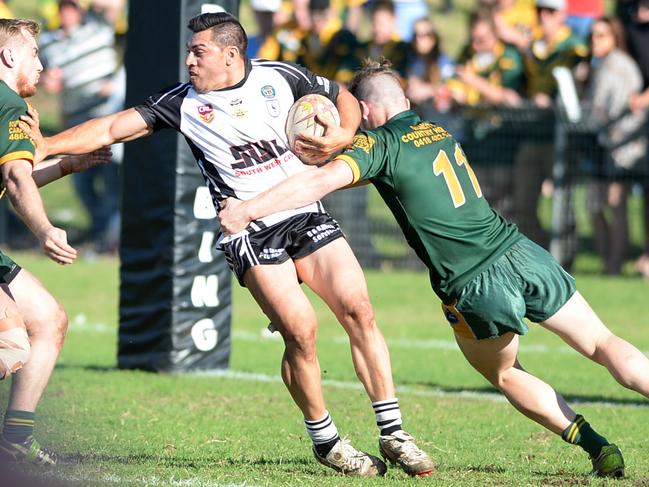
<point>425,179</point>
<point>567,50</point>
<point>14,143</point>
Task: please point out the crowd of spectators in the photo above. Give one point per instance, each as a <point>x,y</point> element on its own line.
<point>507,63</point>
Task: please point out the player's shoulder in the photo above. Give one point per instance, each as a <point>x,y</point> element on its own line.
<point>285,68</point>
<point>172,92</point>
<point>10,100</point>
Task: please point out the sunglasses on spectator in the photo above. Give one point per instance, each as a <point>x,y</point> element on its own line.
<point>424,34</point>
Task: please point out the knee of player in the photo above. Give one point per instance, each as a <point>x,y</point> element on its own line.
<point>302,341</point>
<point>51,327</point>
<point>60,325</point>
<point>359,312</point>
<point>14,345</point>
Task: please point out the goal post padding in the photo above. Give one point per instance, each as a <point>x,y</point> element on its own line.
<point>175,294</point>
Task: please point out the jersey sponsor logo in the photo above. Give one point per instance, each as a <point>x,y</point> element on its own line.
<point>363,142</point>
<point>268,91</point>
<point>206,112</point>
<point>425,133</point>
<point>273,108</point>
<point>237,108</point>
<point>16,133</point>
<point>257,157</point>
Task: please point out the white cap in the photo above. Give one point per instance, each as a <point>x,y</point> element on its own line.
<point>553,4</point>
<point>266,5</point>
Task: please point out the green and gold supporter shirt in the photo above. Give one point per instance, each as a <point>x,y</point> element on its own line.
<point>14,143</point>
<point>502,67</point>
<point>425,179</point>
<point>567,50</point>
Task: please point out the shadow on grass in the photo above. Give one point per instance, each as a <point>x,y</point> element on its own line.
<point>190,462</point>
<point>492,393</point>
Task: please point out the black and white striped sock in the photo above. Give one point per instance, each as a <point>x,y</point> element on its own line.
<point>323,433</point>
<point>388,415</point>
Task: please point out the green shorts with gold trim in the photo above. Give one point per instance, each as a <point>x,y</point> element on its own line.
<point>8,269</point>
<point>525,282</point>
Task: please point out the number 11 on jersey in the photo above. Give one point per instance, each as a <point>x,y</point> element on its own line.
<point>442,165</point>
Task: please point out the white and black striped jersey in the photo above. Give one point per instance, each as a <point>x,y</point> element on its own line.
<point>237,134</point>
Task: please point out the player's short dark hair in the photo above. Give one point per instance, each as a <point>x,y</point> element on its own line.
<point>226,29</point>
<point>12,28</point>
<point>371,68</point>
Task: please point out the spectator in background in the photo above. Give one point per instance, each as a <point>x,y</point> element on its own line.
<point>516,22</point>
<point>406,13</point>
<point>615,78</point>
<point>582,14</point>
<point>428,66</point>
<point>385,40</point>
<point>638,38</point>
<point>291,25</point>
<point>489,72</point>
<point>82,66</point>
<point>264,11</point>
<point>328,49</point>
<point>5,11</point>
<point>350,12</point>
<point>556,46</point>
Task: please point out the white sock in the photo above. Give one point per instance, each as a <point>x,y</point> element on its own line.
<point>321,430</point>
<point>388,415</point>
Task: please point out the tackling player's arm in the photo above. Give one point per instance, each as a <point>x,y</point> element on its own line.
<point>295,192</point>
<point>52,169</point>
<point>91,135</point>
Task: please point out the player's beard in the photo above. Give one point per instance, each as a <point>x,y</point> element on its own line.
<point>25,88</point>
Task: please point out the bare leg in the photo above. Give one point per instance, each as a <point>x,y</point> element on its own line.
<point>278,293</point>
<point>582,329</point>
<point>496,359</point>
<point>46,324</point>
<point>335,275</point>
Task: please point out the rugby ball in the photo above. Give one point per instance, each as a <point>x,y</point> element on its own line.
<point>302,117</point>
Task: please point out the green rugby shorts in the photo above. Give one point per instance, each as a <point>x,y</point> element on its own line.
<point>8,269</point>
<point>525,282</point>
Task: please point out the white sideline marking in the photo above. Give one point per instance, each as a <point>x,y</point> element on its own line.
<point>401,389</point>
<point>79,325</point>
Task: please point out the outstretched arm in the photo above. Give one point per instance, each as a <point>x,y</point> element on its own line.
<point>52,169</point>
<point>88,136</point>
<point>295,192</point>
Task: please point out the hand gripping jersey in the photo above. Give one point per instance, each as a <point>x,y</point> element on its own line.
<point>237,133</point>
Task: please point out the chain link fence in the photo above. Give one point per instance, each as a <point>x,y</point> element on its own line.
<point>536,167</point>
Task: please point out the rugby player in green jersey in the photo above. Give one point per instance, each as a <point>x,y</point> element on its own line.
<point>32,323</point>
<point>488,275</point>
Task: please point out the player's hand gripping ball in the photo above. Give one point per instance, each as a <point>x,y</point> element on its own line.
<point>303,117</point>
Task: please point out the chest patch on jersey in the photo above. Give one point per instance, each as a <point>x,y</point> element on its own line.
<point>206,112</point>
<point>363,142</point>
<point>273,107</point>
<point>268,91</point>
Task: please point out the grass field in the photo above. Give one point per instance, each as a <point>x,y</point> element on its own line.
<point>241,428</point>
